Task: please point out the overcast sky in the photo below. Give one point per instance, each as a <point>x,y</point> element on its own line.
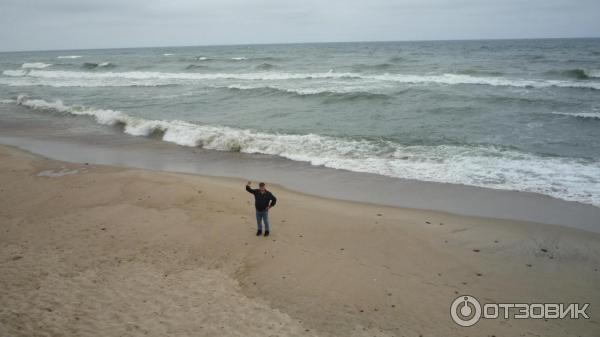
<point>74,24</point>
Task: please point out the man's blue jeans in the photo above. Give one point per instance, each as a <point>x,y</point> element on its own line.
<point>262,216</point>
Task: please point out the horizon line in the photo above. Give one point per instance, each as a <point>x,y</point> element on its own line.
<point>305,42</point>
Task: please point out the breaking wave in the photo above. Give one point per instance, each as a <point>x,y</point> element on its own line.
<point>91,65</point>
<point>195,66</point>
<point>477,72</point>
<point>35,65</point>
<point>137,78</point>
<point>256,59</point>
<point>486,166</point>
<point>327,93</point>
<point>591,115</point>
<point>265,66</point>
<point>578,74</point>
<point>68,57</point>
<point>232,59</point>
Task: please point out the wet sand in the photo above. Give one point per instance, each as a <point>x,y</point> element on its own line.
<point>92,250</point>
<point>146,153</point>
<point>74,139</point>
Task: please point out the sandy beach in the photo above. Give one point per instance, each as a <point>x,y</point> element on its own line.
<point>91,250</point>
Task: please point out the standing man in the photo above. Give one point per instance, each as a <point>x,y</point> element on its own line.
<point>263,201</point>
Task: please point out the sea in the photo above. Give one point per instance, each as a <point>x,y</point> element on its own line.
<point>519,115</point>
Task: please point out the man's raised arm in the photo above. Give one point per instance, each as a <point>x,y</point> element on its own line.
<point>248,188</point>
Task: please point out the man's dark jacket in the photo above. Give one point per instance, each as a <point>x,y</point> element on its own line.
<point>261,200</point>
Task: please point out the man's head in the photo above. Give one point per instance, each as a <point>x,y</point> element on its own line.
<point>261,187</point>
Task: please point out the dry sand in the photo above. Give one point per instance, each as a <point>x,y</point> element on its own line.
<point>90,250</point>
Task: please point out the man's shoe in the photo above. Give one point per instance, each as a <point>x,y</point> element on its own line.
<point>266,233</point>
<point>259,233</point>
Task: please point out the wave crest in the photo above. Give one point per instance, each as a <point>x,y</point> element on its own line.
<point>478,72</point>
<point>92,65</point>
<point>486,166</point>
<point>265,66</point>
<point>195,66</point>
<point>35,65</point>
<point>330,95</point>
<point>591,115</point>
<point>577,74</point>
<point>137,78</point>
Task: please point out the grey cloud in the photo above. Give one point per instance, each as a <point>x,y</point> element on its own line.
<point>72,24</point>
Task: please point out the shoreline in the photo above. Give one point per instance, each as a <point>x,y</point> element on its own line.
<point>90,249</point>
<point>147,153</point>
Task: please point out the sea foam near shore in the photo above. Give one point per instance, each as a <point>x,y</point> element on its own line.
<point>491,166</point>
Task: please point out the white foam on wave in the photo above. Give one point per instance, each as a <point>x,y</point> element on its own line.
<point>68,57</point>
<point>593,115</point>
<point>304,91</point>
<point>239,58</point>
<point>168,54</point>
<point>137,78</point>
<point>15,73</point>
<point>105,117</point>
<point>593,73</point>
<point>573,179</point>
<point>35,65</point>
